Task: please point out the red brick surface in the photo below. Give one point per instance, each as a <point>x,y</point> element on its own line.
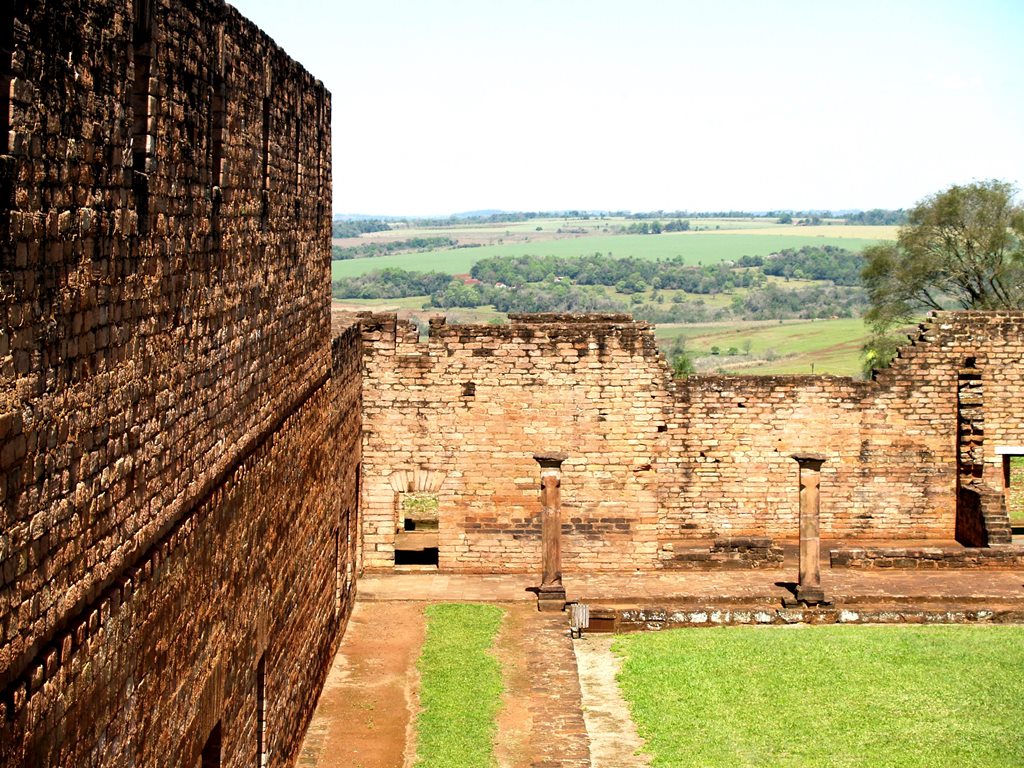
<point>654,465</point>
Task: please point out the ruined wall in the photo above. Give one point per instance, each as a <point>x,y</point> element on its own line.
<point>166,382</point>
<point>654,464</point>
<point>463,413</point>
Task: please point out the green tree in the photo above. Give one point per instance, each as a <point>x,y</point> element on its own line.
<point>962,247</point>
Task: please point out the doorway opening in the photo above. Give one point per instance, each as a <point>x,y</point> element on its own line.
<point>1013,490</point>
<point>210,756</point>
<point>416,532</point>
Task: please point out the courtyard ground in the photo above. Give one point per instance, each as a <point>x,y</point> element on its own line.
<point>561,707</point>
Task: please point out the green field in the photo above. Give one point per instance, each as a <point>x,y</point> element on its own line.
<point>828,696</point>
<point>831,346</point>
<point>693,247</point>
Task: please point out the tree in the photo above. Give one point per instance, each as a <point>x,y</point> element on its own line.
<point>962,247</point>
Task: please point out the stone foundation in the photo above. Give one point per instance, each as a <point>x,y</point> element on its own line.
<point>929,558</point>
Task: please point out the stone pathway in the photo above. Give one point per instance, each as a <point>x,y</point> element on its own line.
<point>541,725</point>
<point>614,741</point>
<point>558,738</point>
<point>722,587</point>
<point>362,719</point>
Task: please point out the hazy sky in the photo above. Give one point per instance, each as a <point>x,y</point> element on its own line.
<point>452,105</point>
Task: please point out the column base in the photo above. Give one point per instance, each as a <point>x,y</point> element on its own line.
<point>551,597</point>
<point>806,596</point>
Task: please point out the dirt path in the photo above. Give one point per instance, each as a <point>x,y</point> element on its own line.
<point>614,742</point>
<point>363,717</point>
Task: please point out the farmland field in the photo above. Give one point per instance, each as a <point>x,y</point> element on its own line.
<point>775,347</point>
<point>693,247</point>
<point>733,346</point>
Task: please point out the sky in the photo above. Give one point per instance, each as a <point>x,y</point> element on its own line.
<point>444,106</point>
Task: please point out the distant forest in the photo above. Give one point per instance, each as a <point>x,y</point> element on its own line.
<point>658,291</point>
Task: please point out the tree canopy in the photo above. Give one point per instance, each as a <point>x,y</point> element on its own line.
<point>960,248</point>
<point>963,247</point>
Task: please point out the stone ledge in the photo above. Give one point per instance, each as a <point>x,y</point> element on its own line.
<point>931,558</point>
<point>728,552</point>
<point>655,618</point>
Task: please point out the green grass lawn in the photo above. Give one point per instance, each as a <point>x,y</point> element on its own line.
<point>460,687</point>
<point>694,247</point>
<point>828,696</point>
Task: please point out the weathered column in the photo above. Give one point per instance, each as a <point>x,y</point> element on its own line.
<point>551,593</point>
<point>808,589</point>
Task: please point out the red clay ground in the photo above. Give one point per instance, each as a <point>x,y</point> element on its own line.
<point>363,714</point>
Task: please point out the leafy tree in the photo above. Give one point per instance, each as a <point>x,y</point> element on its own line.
<point>962,247</point>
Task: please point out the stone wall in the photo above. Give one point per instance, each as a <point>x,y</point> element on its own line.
<point>463,413</point>
<point>167,385</point>
<point>655,466</point>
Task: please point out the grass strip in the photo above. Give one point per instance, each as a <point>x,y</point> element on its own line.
<point>828,696</point>
<point>460,687</point>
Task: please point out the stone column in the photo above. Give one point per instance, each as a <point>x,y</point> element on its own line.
<point>808,588</point>
<point>551,593</point>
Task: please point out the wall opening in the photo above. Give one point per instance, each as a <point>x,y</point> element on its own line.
<point>218,137</point>
<point>320,109</point>
<point>262,754</point>
<point>298,154</point>
<point>210,756</point>
<point>265,159</point>
<point>338,587</point>
<point>416,532</point>
<point>1013,490</point>
<point>423,558</point>
<point>218,119</point>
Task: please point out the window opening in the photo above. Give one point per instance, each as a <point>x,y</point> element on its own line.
<point>6,75</point>
<point>1013,490</point>
<point>143,128</point>
<point>265,172</point>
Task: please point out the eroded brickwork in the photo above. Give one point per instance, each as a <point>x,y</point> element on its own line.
<point>657,466</point>
<point>172,510</point>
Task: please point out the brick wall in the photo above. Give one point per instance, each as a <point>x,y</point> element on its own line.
<point>167,385</point>
<point>469,407</point>
<point>655,463</point>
